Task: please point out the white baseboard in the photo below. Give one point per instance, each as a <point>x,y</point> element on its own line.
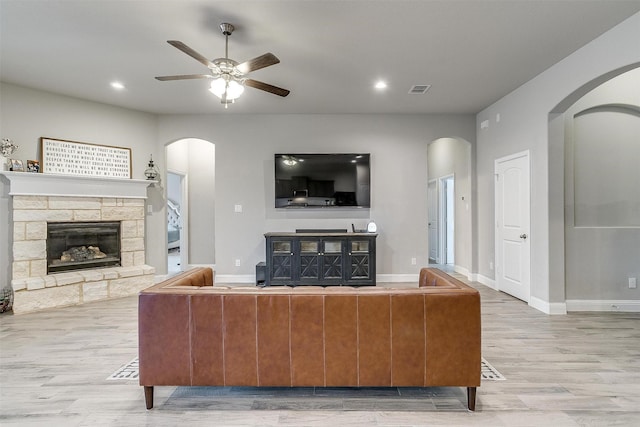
<point>548,307</point>
<point>463,270</point>
<point>490,283</point>
<point>236,278</point>
<point>397,278</point>
<point>631,306</point>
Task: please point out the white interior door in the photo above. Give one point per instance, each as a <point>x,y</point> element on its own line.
<point>432,213</point>
<point>513,248</point>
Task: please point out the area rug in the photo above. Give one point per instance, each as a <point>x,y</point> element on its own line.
<point>126,372</point>
<point>129,372</point>
<point>489,373</point>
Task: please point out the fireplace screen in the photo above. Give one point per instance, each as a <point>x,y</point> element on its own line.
<point>82,245</point>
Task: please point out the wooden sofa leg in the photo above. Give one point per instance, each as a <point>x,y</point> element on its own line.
<point>148,396</point>
<point>471,398</point>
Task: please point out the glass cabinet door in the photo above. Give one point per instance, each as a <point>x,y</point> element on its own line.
<point>359,259</point>
<point>309,254</point>
<point>332,259</point>
<point>281,257</point>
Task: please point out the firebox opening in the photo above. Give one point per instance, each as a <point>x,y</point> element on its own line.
<point>82,245</point>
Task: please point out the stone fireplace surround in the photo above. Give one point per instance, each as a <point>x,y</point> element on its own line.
<point>41,198</point>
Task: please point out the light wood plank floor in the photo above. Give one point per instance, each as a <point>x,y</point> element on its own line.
<point>582,369</point>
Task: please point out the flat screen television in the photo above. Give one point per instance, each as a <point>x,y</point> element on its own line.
<point>322,180</point>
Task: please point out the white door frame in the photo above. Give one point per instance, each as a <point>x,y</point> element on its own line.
<point>446,242</point>
<point>433,229</point>
<point>184,218</point>
<point>522,241</point>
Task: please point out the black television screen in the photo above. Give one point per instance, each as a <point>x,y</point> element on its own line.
<point>322,180</point>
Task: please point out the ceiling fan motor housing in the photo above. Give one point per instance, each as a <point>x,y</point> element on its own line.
<point>226,28</point>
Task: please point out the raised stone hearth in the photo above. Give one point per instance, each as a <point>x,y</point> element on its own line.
<point>33,288</point>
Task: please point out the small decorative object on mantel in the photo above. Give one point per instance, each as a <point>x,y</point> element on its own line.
<point>152,173</point>
<point>33,166</point>
<point>16,165</point>
<point>7,147</point>
<point>371,227</point>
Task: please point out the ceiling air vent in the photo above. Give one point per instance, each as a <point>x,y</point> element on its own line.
<point>419,89</point>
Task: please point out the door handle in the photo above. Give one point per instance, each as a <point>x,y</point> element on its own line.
<point>523,236</point>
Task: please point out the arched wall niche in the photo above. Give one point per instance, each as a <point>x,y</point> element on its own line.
<point>590,262</point>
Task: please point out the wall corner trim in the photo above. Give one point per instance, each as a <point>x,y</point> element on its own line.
<point>548,307</point>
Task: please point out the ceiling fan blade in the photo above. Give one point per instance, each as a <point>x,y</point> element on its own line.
<point>184,77</point>
<point>266,87</point>
<point>192,53</point>
<point>256,63</point>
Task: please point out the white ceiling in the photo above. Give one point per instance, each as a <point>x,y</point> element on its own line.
<point>472,52</point>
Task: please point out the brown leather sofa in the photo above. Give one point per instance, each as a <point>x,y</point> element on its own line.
<point>192,333</point>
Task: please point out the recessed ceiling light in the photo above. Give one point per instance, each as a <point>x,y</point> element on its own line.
<point>117,85</point>
<point>380,84</point>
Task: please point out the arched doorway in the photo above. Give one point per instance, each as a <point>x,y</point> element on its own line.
<point>190,191</point>
<point>449,203</point>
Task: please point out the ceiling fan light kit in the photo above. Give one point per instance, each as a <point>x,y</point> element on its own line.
<point>226,88</point>
<point>228,75</point>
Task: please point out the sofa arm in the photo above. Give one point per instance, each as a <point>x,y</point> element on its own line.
<point>195,278</point>
<point>427,278</point>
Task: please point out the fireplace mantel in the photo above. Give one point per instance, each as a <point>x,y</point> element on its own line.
<point>42,184</point>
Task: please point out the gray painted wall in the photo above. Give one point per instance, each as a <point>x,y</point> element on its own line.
<point>173,183</point>
<point>528,121</point>
<point>245,146</point>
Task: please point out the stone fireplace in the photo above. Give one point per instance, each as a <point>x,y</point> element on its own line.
<point>52,214</point>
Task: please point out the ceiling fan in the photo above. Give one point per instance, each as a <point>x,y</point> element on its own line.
<point>228,75</point>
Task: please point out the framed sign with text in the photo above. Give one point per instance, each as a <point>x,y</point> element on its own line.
<point>80,158</point>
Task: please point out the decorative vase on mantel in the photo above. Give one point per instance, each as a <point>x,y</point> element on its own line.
<point>7,147</point>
